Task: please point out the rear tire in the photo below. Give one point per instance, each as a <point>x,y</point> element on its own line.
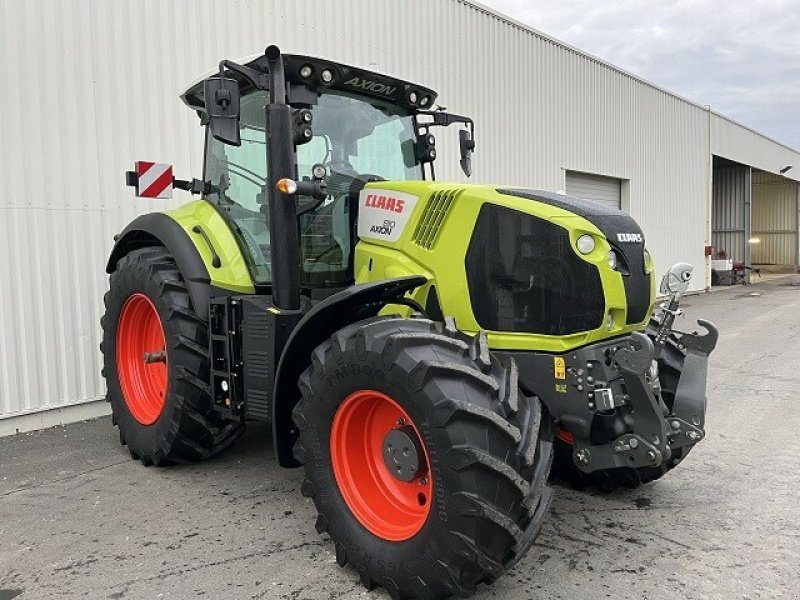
<point>182,427</point>
<point>489,449</point>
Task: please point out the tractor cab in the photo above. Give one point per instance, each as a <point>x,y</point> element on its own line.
<point>348,127</point>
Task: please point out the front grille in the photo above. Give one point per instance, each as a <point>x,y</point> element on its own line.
<point>433,216</point>
<point>611,222</point>
<point>523,276</point>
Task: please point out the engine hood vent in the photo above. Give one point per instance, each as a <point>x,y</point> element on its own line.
<point>433,217</point>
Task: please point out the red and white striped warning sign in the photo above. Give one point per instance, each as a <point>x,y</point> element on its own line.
<point>154,180</point>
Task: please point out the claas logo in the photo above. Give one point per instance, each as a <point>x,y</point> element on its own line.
<point>385,203</point>
<point>630,237</point>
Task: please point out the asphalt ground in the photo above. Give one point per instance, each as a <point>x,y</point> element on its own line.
<point>79,518</point>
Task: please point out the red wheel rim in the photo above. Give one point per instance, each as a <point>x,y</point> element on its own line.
<point>391,509</point>
<point>141,359</point>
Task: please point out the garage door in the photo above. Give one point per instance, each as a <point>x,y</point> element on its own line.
<point>607,190</point>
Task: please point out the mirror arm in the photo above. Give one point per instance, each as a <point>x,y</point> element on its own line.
<point>444,118</point>
<point>256,78</point>
<point>195,186</point>
<point>471,127</point>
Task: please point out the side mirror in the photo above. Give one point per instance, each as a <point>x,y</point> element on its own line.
<point>222,101</point>
<point>676,281</point>
<point>467,147</point>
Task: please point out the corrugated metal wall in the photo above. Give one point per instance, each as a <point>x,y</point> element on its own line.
<point>775,220</point>
<point>92,85</point>
<point>729,210</point>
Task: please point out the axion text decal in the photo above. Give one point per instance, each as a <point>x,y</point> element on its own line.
<point>375,87</point>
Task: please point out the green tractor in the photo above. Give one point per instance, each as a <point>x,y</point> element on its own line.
<point>422,350</point>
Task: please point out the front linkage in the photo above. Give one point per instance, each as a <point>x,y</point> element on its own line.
<point>658,429</point>
<point>633,403</point>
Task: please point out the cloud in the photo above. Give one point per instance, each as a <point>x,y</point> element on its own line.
<point>742,58</point>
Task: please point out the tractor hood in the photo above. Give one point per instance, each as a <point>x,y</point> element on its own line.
<point>565,270</point>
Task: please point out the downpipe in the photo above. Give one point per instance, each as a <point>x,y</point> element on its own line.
<point>282,211</point>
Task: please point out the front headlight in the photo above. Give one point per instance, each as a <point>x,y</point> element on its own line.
<point>612,259</point>
<point>648,262</point>
<point>585,244</point>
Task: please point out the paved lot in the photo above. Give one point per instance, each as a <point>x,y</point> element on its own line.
<point>78,518</point>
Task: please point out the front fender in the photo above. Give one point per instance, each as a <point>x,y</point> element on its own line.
<point>355,303</point>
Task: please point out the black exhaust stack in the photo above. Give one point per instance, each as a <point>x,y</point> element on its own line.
<point>283,228</point>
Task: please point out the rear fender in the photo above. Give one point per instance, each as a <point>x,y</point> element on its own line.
<point>158,229</point>
<point>355,303</point>
<point>208,254</point>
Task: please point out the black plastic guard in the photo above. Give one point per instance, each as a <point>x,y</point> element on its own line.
<point>355,303</point>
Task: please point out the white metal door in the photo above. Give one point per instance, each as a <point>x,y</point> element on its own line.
<point>607,190</point>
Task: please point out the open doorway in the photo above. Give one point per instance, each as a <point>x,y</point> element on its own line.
<point>774,243</point>
<point>754,222</point>
<point>731,194</point>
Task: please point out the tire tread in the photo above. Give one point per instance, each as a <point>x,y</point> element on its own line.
<point>431,355</point>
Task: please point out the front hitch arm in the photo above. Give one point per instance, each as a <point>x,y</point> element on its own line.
<point>689,409</point>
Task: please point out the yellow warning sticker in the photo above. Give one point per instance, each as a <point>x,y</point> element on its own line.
<point>559,368</point>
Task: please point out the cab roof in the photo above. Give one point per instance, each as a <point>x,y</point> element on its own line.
<point>305,75</point>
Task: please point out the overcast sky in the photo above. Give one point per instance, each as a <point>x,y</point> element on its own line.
<point>741,57</point>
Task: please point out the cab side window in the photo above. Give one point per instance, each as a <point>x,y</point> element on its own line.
<point>238,175</point>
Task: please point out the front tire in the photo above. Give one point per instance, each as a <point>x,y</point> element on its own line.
<point>477,496</point>
<point>156,364</point>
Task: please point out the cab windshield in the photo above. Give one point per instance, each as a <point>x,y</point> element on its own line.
<point>355,138</point>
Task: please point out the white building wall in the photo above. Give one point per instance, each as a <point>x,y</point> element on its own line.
<point>90,86</point>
